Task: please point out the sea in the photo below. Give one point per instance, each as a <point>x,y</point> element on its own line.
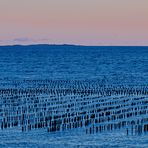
<point>24,67</point>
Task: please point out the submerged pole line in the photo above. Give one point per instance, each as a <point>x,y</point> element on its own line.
<point>63,105</point>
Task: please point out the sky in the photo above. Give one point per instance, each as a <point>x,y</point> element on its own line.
<point>81,22</point>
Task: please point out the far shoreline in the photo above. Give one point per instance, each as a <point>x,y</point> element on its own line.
<point>70,45</point>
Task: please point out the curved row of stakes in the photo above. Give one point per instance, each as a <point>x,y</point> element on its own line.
<point>64,105</point>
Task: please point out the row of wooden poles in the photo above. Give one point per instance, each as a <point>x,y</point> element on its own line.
<point>93,107</point>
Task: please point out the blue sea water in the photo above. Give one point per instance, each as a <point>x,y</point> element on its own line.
<point>115,64</point>
<point>112,65</point>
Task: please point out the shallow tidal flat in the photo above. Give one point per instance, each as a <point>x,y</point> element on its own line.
<point>72,108</point>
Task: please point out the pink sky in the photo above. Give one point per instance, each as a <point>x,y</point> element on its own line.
<point>85,22</point>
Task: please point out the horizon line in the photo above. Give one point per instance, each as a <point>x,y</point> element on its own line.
<point>73,45</point>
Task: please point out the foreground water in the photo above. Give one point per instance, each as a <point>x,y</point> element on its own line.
<point>73,96</point>
<point>74,139</point>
